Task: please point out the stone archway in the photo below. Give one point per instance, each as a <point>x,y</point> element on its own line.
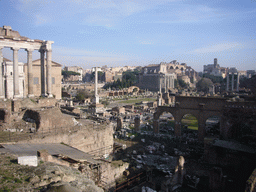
<point>32,117</point>
<point>158,113</point>
<point>212,126</point>
<point>189,125</point>
<point>166,123</point>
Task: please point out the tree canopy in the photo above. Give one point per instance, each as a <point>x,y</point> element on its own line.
<point>67,74</point>
<point>179,83</point>
<point>129,78</point>
<point>214,79</point>
<point>83,94</point>
<point>204,84</point>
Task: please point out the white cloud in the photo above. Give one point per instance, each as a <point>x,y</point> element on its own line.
<point>217,48</point>
<point>95,12</point>
<point>87,58</point>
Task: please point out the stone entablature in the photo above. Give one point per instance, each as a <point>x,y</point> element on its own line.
<point>12,39</point>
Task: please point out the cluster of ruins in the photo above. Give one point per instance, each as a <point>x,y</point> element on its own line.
<point>139,141</point>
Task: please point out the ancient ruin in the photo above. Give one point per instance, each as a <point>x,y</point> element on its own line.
<point>13,40</point>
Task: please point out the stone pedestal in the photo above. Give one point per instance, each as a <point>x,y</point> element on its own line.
<point>137,123</point>
<point>96,108</point>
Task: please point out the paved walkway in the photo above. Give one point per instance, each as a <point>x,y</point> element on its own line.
<point>53,149</point>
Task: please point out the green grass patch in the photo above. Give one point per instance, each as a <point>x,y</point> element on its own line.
<point>137,100</point>
<point>190,121</point>
<point>117,163</point>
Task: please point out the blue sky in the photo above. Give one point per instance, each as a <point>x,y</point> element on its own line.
<point>91,33</point>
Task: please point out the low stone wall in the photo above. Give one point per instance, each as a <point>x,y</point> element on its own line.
<point>47,102</point>
<point>111,172</point>
<point>45,156</point>
<point>94,141</point>
<point>52,118</point>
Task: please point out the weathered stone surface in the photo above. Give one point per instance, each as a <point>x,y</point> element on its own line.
<point>43,183</point>
<point>34,179</point>
<point>68,178</point>
<point>63,188</point>
<point>28,160</point>
<point>55,179</point>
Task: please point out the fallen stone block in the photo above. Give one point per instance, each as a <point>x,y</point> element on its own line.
<point>28,160</point>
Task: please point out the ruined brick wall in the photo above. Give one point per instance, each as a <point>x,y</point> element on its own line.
<point>110,172</point>
<point>149,81</point>
<point>6,105</point>
<point>53,119</point>
<point>46,102</point>
<point>193,102</point>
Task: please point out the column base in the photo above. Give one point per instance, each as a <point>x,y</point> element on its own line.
<point>31,95</point>
<point>2,97</point>
<point>50,95</point>
<point>44,95</point>
<point>17,97</point>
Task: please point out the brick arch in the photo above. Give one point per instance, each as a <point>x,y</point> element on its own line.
<point>213,114</point>
<point>203,108</point>
<point>161,110</point>
<point>30,114</point>
<point>186,112</point>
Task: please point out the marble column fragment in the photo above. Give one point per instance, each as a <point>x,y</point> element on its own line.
<point>228,82</point>
<point>1,74</point>
<point>43,92</point>
<point>96,82</point>
<point>30,72</point>
<point>16,90</point>
<point>232,82</point>
<point>237,82</point>
<point>96,87</point>
<point>48,72</point>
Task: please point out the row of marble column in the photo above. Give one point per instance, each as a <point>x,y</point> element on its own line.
<point>16,72</point>
<point>233,81</point>
<point>168,82</point>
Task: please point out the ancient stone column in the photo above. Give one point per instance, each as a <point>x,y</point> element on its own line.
<point>160,85</point>
<point>119,123</point>
<point>96,82</point>
<point>1,74</point>
<point>232,82</point>
<point>16,90</point>
<point>237,82</point>
<point>159,96</point>
<point>172,82</point>
<point>137,123</point>
<point>177,128</point>
<point>228,82</point>
<point>156,126</point>
<point>48,72</point>
<point>168,83</point>
<point>30,72</point>
<point>96,86</point>
<point>43,93</point>
<point>164,83</point>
